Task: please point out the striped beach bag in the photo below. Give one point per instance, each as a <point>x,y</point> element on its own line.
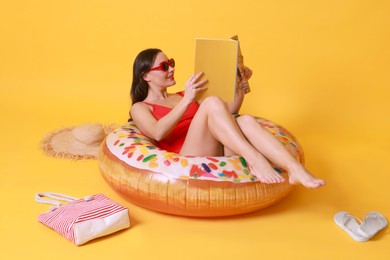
<point>81,220</point>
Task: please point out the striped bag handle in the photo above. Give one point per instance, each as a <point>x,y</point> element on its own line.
<point>55,198</point>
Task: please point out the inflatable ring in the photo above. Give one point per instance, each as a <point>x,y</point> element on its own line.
<point>185,185</point>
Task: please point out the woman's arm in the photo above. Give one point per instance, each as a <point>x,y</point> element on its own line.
<point>142,115</point>
<point>234,107</point>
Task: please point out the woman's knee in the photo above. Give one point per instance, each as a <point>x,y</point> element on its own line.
<point>249,125</point>
<point>213,102</point>
<point>246,119</point>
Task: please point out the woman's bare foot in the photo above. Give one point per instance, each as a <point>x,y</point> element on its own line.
<point>265,173</point>
<point>298,174</point>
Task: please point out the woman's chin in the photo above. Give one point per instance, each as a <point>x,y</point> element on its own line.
<point>171,81</point>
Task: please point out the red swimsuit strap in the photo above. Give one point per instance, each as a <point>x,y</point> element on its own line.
<point>147,103</point>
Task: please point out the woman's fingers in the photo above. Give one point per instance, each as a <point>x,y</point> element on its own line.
<point>194,85</point>
<point>197,76</point>
<point>248,73</point>
<point>193,78</point>
<point>194,81</point>
<point>200,83</point>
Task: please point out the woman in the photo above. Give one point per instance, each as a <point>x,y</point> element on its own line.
<point>179,124</point>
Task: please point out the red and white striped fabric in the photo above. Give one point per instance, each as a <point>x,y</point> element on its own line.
<point>82,220</point>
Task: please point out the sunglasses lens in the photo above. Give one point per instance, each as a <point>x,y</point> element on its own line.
<point>172,63</point>
<point>165,66</point>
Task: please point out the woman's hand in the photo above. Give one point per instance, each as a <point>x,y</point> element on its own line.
<point>248,73</point>
<point>242,78</point>
<point>234,107</point>
<point>194,86</point>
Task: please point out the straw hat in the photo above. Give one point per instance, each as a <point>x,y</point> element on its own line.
<point>79,142</point>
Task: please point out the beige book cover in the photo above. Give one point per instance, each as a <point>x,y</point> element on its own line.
<point>217,59</point>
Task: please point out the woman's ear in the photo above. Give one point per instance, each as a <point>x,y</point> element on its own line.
<point>146,77</point>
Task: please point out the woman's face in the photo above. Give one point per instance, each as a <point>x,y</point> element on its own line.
<point>160,78</point>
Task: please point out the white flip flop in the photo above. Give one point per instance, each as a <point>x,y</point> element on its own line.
<point>350,224</point>
<point>373,223</point>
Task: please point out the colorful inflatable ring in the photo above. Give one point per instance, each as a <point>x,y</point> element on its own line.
<point>185,185</point>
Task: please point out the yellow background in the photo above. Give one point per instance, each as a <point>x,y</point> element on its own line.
<point>321,69</point>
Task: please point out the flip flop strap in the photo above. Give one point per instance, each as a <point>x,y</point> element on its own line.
<point>375,215</point>
<point>348,216</point>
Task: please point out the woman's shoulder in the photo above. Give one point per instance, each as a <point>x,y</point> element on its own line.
<point>140,109</point>
<point>141,106</point>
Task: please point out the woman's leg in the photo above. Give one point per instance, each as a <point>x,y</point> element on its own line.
<point>213,126</point>
<point>273,150</point>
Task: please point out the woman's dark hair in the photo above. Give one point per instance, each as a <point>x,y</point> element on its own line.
<point>142,64</point>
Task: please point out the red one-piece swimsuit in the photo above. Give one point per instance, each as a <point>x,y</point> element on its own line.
<point>174,141</point>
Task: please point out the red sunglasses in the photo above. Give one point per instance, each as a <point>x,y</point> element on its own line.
<point>164,66</point>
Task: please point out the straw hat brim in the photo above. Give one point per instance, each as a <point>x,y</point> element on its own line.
<point>76,142</point>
